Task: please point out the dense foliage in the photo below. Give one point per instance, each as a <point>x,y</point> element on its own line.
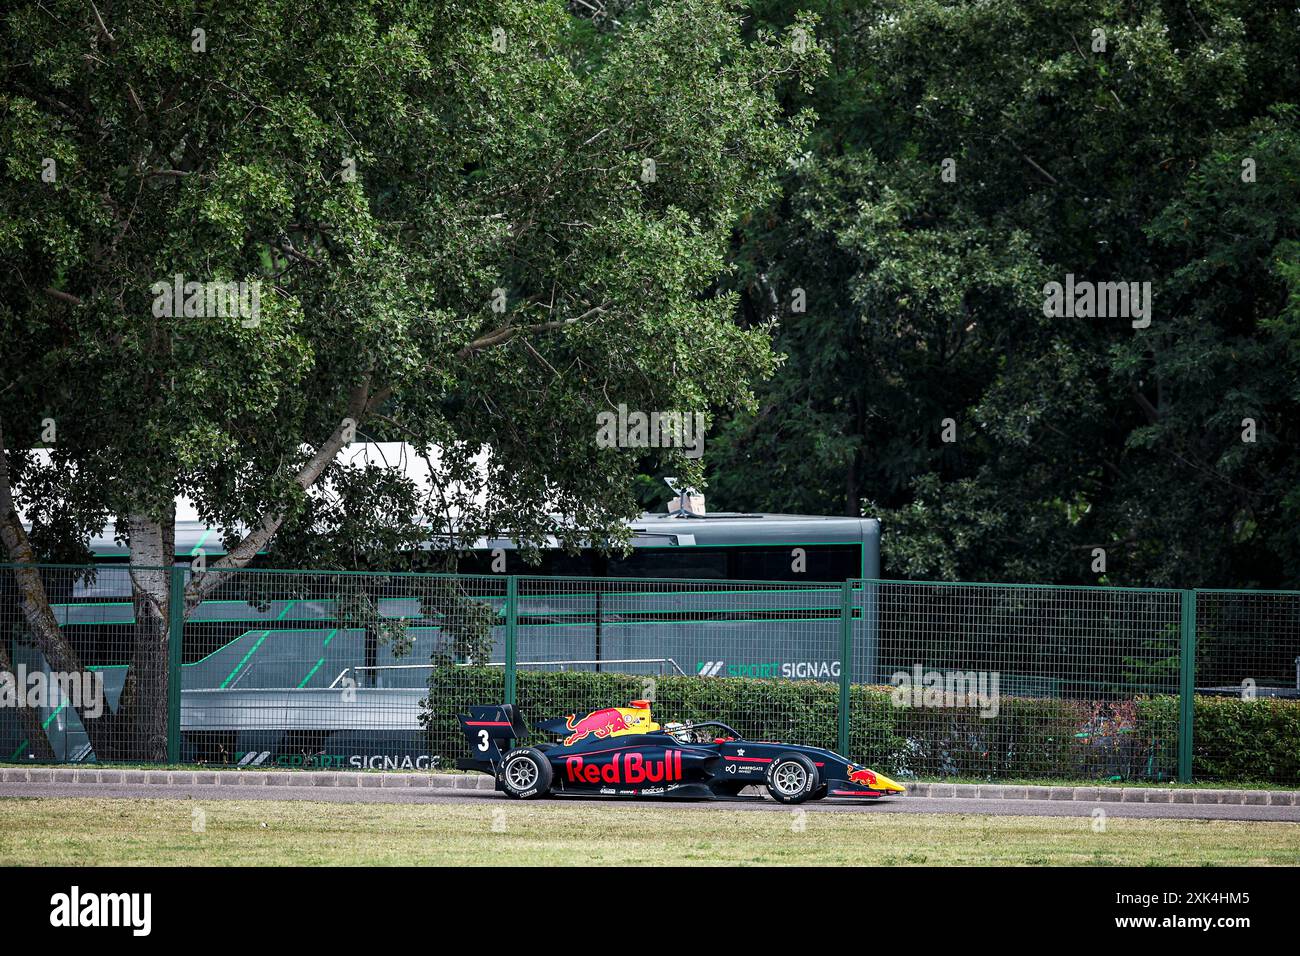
<point>383,170</point>
<point>1170,156</point>
<point>963,155</point>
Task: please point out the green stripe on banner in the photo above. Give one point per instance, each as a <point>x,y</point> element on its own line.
<point>50,719</point>
<point>195,550</point>
<point>44,726</point>
<point>251,652</point>
<point>311,673</point>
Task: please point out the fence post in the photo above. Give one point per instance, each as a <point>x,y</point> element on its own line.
<point>512,637</point>
<point>175,637</point>
<point>846,662</point>
<point>1186,683</point>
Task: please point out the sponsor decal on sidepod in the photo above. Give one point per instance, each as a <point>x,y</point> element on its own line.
<point>629,767</point>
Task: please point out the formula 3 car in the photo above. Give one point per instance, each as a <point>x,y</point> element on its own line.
<point>622,752</point>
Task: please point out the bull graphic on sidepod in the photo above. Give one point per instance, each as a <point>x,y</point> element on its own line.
<point>610,722</point>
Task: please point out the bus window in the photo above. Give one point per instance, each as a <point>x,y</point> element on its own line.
<point>706,563</point>
<point>797,563</point>
<point>554,563</point>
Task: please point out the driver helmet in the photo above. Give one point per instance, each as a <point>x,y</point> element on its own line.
<point>678,731</point>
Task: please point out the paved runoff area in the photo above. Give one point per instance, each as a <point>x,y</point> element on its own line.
<point>433,788</point>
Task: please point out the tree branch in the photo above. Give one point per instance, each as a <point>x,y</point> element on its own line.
<point>103,29</point>
<point>288,249</point>
<point>1150,411</point>
<point>67,297</point>
<point>506,333</point>
<point>360,404</point>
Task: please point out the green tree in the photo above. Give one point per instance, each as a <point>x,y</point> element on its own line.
<point>1095,139</point>
<point>473,225</point>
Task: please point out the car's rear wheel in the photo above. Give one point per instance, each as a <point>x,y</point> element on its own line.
<point>526,774</point>
<point>792,778</point>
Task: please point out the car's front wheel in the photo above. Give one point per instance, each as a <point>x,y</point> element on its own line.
<point>526,773</point>
<point>792,778</point>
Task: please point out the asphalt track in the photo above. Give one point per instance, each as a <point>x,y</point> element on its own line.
<point>759,804</point>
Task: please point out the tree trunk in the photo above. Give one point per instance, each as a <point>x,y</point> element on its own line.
<point>140,730</point>
<point>35,604</point>
<point>38,745</point>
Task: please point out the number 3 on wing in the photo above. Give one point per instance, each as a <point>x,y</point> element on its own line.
<point>483,740</point>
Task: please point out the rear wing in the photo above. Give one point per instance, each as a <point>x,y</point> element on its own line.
<point>488,729</point>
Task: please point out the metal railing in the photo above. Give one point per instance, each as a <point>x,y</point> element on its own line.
<point>914,678</point>
<point>561,665</point>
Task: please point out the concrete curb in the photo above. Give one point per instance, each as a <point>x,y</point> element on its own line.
<point>1095,794</point>
<point>246,778</point>
<point>480,781</point>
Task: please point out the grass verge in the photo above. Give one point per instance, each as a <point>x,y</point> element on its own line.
<point>162,832</point>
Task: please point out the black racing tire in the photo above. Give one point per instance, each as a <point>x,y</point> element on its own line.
<point>526,774</point>
<point>792,778</point>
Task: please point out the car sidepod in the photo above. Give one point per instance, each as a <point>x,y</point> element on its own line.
<point>648,765</point>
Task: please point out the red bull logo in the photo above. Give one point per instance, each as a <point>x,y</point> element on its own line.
<point>861,775</point>
<point>626,768</point>
<point>602,723</point>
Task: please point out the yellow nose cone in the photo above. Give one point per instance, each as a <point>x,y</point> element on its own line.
<point>884,783</point>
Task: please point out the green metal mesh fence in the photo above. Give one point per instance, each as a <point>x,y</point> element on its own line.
<point>1016,680</point>
<point>89,678</point>
<point>1247,686</point>
<point>368,671</point>
<point>335,670</point>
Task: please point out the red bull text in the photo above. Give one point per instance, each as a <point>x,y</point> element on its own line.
<point>626,768</point>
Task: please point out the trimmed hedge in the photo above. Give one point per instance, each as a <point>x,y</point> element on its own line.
<point>1029,737</point>
<point>1238,740</point>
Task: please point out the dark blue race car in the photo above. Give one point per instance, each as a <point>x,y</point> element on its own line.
<point>622,752</point>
